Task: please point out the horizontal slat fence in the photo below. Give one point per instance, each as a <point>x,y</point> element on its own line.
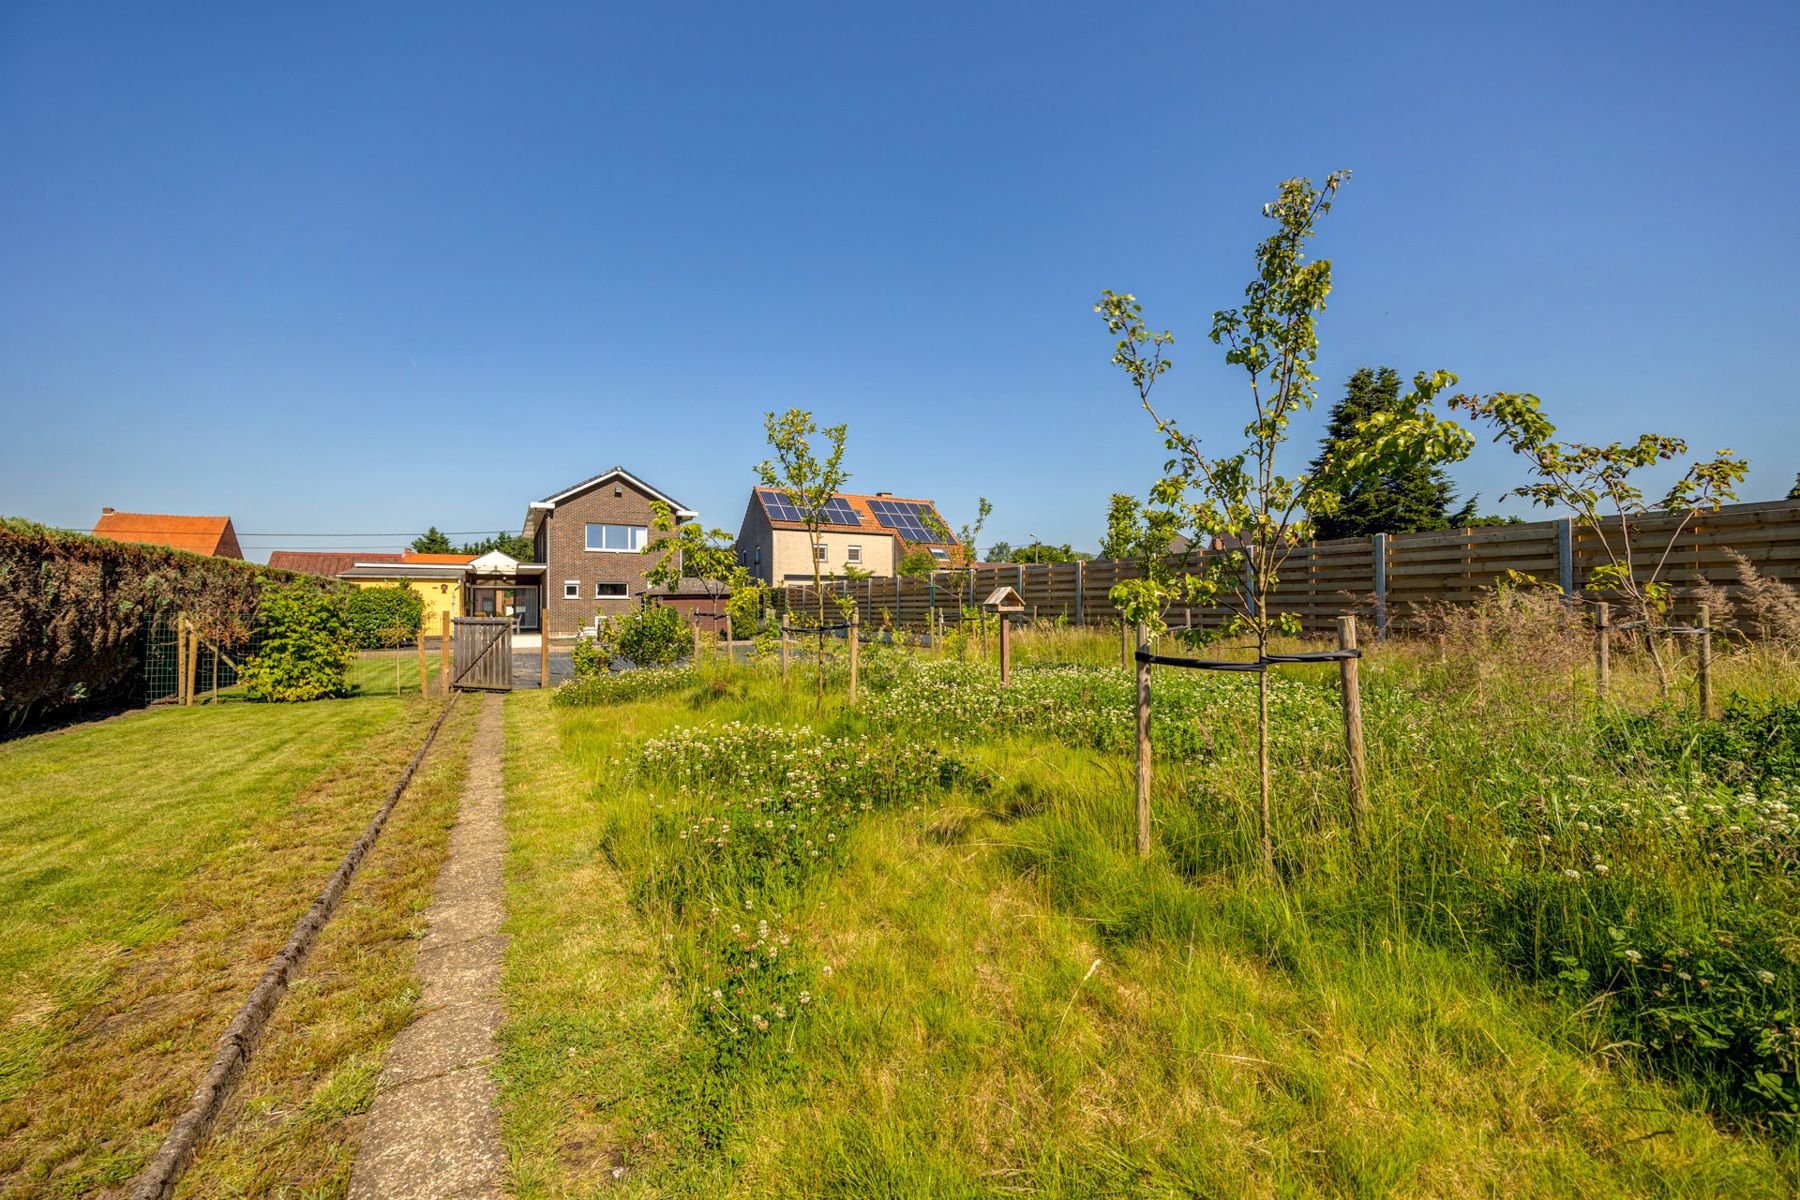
<point>1392,579</point>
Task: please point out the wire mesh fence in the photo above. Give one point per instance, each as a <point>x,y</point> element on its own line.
<point>174,654</point>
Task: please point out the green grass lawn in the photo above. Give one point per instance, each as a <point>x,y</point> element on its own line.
<point>372,673</point>
<point>149,866</point>
<point>990,995</point>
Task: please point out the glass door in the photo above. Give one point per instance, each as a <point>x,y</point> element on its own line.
<point>518,603</point>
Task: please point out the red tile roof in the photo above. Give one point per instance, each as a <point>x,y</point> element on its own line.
<point>327,562</point>
<point>197,535</point>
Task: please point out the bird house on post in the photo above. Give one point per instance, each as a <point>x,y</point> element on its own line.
<point>1004,602</point>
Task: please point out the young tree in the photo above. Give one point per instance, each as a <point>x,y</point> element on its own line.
<point>1240,497</point>
<point>1794,492</point>
<point>918,564</point>
<point>692,551</point>
<point>999,552</point>
<point>1409,498</point>
<point>809,482</point>
<point>968,538</point>
<point>1596,482</point>
<point>432,542</point>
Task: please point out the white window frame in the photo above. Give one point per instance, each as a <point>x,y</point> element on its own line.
<point>823,552</point>
<point>603,583</point>
<point>853,555</point>
<point>571,589</point>
<point>637,536</point>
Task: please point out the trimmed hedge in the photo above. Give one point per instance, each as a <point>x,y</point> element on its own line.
<point>385,616</point>
<point>73,609</point>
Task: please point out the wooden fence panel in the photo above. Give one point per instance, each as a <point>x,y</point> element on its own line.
<point>481,649</point>
<point>1399,576</point>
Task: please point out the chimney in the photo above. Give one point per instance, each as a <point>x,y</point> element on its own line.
<point>106,512</point>
<point>877,493</point>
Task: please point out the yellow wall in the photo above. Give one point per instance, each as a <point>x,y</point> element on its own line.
<point>440,596</point>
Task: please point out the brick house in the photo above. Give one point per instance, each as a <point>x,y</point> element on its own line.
<point>589,539</point>
<point>868,533</point>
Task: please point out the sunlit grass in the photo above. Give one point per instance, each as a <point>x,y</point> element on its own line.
<point>149,866</point>
<point>1007,1001</point>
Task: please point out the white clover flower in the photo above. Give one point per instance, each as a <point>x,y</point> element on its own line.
<point>1635,956</point>
<point>1765,977</point>
<point>1571,873</point>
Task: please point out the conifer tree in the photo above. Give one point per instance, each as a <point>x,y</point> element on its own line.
<point>432,541</point>
<point>1403,499</point>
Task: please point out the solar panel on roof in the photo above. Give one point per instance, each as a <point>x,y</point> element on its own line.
<point>905,518</point>
<point>781,507</point>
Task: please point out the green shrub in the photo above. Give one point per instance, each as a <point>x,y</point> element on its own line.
<point>620,687</point>
<point>385,616</point>
<point>745,610</point>
<point>1752,743</point>
<point>594,655</point>
<point>307,647</point>
<point>653,636</point>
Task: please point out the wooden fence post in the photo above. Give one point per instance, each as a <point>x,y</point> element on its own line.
<point>784,650</point>
<point>212,693</point>
<point>1005,650</point>
<point>1124,644</point>
<point>855,646</point>
<point>181,636</point>
<point>1143,748</point>
<point>1350,688</point>
<point>193,664</point>
<point>1080,587</point>
<point>1602,649</point>
<point>696,639</point>
<point>543,650</point>
<point>419,637</point>
<point>1705,661</point>
<point>444,652</point>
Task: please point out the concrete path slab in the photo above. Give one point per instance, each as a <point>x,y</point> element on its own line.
<point>433,1130</point>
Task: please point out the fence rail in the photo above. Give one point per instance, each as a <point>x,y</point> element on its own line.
<point>1390,578</point>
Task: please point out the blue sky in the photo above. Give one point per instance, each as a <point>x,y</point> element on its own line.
<point>356,269</point>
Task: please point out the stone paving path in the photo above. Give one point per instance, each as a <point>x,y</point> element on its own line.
<point>433,1130</point>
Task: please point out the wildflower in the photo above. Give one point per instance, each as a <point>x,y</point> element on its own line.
<point>1761,977</point>
<point>806,997</point>
<point>1571,873</point>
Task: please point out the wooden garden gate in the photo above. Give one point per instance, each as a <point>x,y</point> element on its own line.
<point>481,649</point>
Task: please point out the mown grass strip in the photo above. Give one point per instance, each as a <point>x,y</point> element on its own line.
<point>141,903</point>
<point>157,1180</point>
